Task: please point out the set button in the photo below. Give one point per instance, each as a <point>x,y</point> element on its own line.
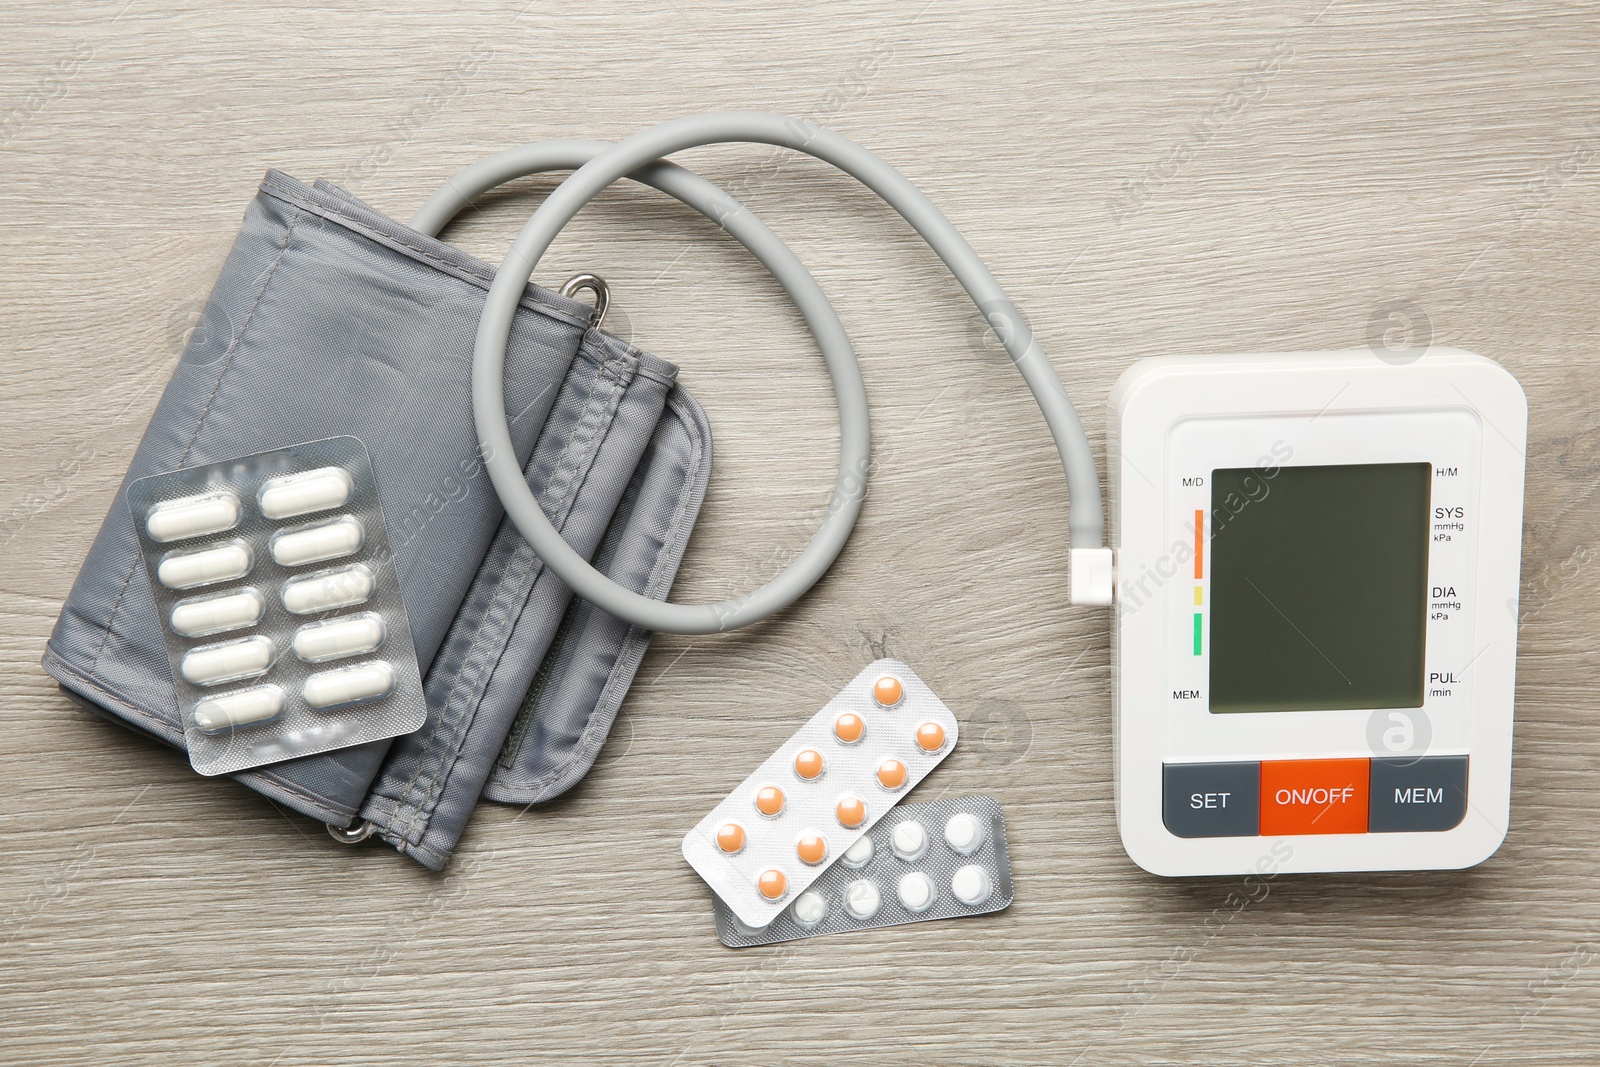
<point>1276,798</point>
<point>1211,799</point>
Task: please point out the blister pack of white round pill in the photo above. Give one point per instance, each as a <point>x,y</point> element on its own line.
<point>283,621</point>
<point>821,790</point>
<point>943,859</point>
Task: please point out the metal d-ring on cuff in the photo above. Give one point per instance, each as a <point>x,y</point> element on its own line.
<point>352,835</point>
<point>594,284</point>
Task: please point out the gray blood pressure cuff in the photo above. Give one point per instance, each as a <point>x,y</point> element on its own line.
<point>331,319</point>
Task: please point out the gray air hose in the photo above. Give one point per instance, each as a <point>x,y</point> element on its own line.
<point>639,158</point>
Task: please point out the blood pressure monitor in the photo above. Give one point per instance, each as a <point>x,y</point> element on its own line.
<point>1317,565</point>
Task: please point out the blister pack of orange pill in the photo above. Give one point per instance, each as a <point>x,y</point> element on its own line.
<point>821,791</point>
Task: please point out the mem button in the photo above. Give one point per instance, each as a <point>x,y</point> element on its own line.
<point>1314,796</point>
<point>1210,799</point>
<point>1427,794</point>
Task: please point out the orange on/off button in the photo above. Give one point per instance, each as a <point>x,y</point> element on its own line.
<point>1314,796</point>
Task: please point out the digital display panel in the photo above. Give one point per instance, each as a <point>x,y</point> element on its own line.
<point>1318,595</point>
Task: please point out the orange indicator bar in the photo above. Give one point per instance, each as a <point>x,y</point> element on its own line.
<point>1199,542</point>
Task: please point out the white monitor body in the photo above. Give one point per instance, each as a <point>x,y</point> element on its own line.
<point>1305,473</point>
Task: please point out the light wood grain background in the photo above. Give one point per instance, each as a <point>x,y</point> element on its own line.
<point>1145,179</point>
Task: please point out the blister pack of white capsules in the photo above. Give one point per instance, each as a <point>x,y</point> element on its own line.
<point>821,791</point>
<point>944,859</point>
<point>283,621</point>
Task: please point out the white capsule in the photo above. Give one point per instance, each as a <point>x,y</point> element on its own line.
<point>314,544</point>
<point>910,840</point>
<point>916,892</point>
<point>343,588</point>
<point>192,516</point>
<point>203,616</point>
<point>187,570</point>
<point>858,855</point>
<point>809,909</point>
<point>227,662</point>
<point>964,833</point>
<point>861,899</point>
<point>238,709</point>
<point>318,642</point>
<point>972,885</point>
<point>289,495</point>
<point>349,685</point>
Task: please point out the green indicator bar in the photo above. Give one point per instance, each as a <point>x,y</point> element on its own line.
<point>1197,633</point>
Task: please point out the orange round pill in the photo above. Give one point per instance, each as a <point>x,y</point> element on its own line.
<point>808,764</point>
<point>849,727</point>
<point>772,883</point>
<point>930,737</point>
<point>891,773</point>
<point>888,691</point>
<point>812,848</point>
<point>852,811</point>
<point>769,800</point>
<point>730,837</point>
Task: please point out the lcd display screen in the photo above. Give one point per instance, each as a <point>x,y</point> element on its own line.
<point>1318,593</point>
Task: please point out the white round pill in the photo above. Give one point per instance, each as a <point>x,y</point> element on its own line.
<point>185,570</point>
<point>192,516</point>
<point>964,833</point>
<point>289,495</point>
<point>326,592</point>
<point>349,685</point>
<point>214,614</point>
<point>238,709</point>
<point>329,540</point>
<point>227,662</point>
<point>809,909</point>
<point>916,892</point>
<point>971,885</point>
<point>317,642</point>
<point>861,899</point>
<point>858,855</point>
<point>910,840</point>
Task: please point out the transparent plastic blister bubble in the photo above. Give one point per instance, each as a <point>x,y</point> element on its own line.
<point>943,859</point>
<point>283,621</point>
<point>821,791</point>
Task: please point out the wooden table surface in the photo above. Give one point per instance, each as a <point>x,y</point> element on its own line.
<point>1145,179</point>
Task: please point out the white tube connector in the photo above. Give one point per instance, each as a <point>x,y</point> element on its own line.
<point>1092,576</point>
